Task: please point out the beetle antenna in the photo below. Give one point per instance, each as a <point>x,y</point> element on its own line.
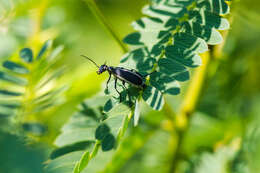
<point>90,60</point>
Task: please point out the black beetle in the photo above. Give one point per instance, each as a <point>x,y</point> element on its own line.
<point>131,77</point>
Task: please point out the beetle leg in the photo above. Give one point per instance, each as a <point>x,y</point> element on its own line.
<point>116,89</point>
<point>108,80</point>
<point>123,82</point>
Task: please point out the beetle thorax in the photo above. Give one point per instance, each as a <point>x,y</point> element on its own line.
<point>102,69</point>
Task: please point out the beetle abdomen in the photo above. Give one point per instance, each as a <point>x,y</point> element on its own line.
<point>129,76</point>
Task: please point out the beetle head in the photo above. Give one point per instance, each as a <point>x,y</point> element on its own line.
<point>102,69</point>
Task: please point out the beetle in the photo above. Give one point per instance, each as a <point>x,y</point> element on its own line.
<point>131,77</point>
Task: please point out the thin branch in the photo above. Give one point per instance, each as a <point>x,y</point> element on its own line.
<point>83,163</point>
<point>103,21</point>
<point>188,107</point>
<point>124,126</point>
<point>192,97</point>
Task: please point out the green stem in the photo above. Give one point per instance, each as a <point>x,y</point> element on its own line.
<point>128,148</point>
<point>188,107</point>
<point>192,98</point>
<point>101,18</point>
<point>124,126</point>
<point>95,150</point>
<point>86,157</point>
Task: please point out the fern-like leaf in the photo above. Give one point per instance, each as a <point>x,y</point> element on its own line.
<point>166,43</point>
<point>28,87</point>
<point>170,40</point>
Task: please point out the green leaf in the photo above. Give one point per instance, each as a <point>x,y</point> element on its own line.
<point>137,112</point>
<point>165,83</point>
<point>64,164</point>
<point>108,142</point>
<point>4,116</point>
<point>44,48</point>
<point>10,104</point>
<point>83,162</point>
<point>115,123</point>
<point>153,98</point>
<point>190,43</point>
<point>133,39</point>
<point>17,68</point>
<point>10,93</point>
<point>34,128</point>
<point>139,60</point>
<point>187,58</point>
<point>81,120</point>
<point>110,104</point>
<point>170,66</point>
<point>164,12</point>
<point>119,109</point>
<point>101,131</point>
<point>182,76</point>
<point>71,148</point>
<point>209,19</point>
<point>15,80</point>
<point>54,54</point>
<point>214,6</point>
<point>150,29</point>
<point>211,35</point>
<point>216,162</point>
<point>6,112</point>
<point>79,128</point>
<point>27,55</point>
<point>75,135</point>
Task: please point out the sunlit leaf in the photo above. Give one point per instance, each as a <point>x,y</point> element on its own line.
<point>187,58</point>
<point>119,109</point>
<point>153,98</point>
<point>150,29</point>
<point>44,48</point>
<point>216,162</point>
<point>77,135</point>
<point>139,60</point>
<point>165,83</point>
<point>12,79</point>
<point>83,162</point>
<point>137,113</point>
<point>9,93</point>
<point>170,66</point>
<point>15,67</point>
<point>64,163</point>
<point>27,55</point>
<point>214,6</point>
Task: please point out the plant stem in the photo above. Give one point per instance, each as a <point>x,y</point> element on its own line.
<point>95,150</point>
<point>128,148</point>
<point>83,163</point>
<point>188,107</point>
<point>192,96</point>
<point>124,126</point>
<point>101,18</point>
<point>193,93</point>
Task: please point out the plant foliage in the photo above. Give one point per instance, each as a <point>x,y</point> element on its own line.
<point>167,42</point>
<point>30,81</point>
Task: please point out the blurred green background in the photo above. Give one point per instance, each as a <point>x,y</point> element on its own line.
<point>227,113</point>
